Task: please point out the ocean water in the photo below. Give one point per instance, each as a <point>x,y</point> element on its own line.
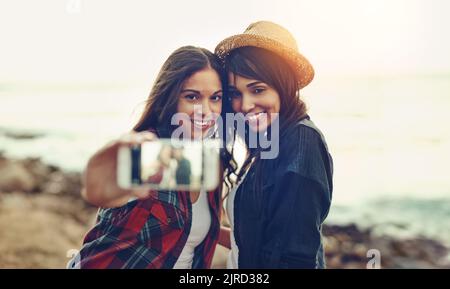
<point>73,119</point>
<point>389,138</point>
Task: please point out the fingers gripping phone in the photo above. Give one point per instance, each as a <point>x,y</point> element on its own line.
<point>169,164</point>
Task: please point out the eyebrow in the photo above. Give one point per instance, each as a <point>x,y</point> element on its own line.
<point>254,83</point>
<point>232,87</point>
<point>196,91</point>
<point>191,90</point>
<point>248,85</point>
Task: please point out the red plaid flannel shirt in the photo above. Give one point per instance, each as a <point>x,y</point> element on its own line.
<point>149,233</point>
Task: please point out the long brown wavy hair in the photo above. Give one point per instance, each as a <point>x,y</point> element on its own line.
<point>162,102</point>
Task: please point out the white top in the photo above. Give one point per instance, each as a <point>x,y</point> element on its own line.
<point>233,256</point>
<point>232,260</point>
<point>201,222</point>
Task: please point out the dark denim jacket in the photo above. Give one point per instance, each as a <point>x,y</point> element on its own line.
<point>280,226</point>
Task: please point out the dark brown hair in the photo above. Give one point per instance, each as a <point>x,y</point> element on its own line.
<point>162,102</point>
<point>268,67</point>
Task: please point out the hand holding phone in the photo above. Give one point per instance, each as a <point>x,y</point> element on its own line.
<point>100,175</point>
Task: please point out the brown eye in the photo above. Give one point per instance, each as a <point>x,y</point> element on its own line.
<point>216,97</point>
<point>191,97</point>
<point>258,90</point>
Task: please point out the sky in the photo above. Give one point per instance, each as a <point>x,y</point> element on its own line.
<point>118,40</point>
<point>92,66</point>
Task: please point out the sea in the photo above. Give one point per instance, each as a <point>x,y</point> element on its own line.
<point>389,137</point>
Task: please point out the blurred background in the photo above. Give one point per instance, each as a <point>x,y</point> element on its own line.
<point>74,74</point>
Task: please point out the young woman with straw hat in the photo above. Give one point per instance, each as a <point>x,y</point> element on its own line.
<point>278,205</point>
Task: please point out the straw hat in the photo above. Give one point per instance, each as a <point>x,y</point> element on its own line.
<point>273,37</point>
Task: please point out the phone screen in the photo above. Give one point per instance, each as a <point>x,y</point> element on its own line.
<point>167,164</point>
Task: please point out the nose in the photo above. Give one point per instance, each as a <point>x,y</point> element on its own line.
<point>247,104</point>
<point>204,109</point>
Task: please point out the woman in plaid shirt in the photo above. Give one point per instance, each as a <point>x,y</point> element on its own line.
<point>154,229</point>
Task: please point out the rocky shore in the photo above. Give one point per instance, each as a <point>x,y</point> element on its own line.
<point>43,218</point>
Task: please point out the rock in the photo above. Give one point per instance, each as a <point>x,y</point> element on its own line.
<point>38,230</point>
<point>347,246</point>
<point>334,262</point>
<point>331,245</point>
<point>408,263</point>
<point>32,175</point>
<point>15,177</point>
<point>73,184</point>
<point>353,265</point>
<point>20,135</point>
<point>360,251</point>
<point>38,169</point>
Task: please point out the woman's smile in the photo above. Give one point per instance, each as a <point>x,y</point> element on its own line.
<point>202,124</point>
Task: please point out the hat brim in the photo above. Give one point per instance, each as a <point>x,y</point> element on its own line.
<point>301,66</point>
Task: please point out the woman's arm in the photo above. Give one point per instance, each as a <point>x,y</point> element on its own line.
<point>293,232</point>
<point>99,178</point>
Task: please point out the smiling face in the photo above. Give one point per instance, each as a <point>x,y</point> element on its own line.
<point>255,99</point>
<point>201,99</point>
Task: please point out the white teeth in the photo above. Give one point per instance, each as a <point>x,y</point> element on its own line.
<point>202,124</point>
<point>254,117</point>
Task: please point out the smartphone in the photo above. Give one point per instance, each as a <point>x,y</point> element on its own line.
<point>169,164</point>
